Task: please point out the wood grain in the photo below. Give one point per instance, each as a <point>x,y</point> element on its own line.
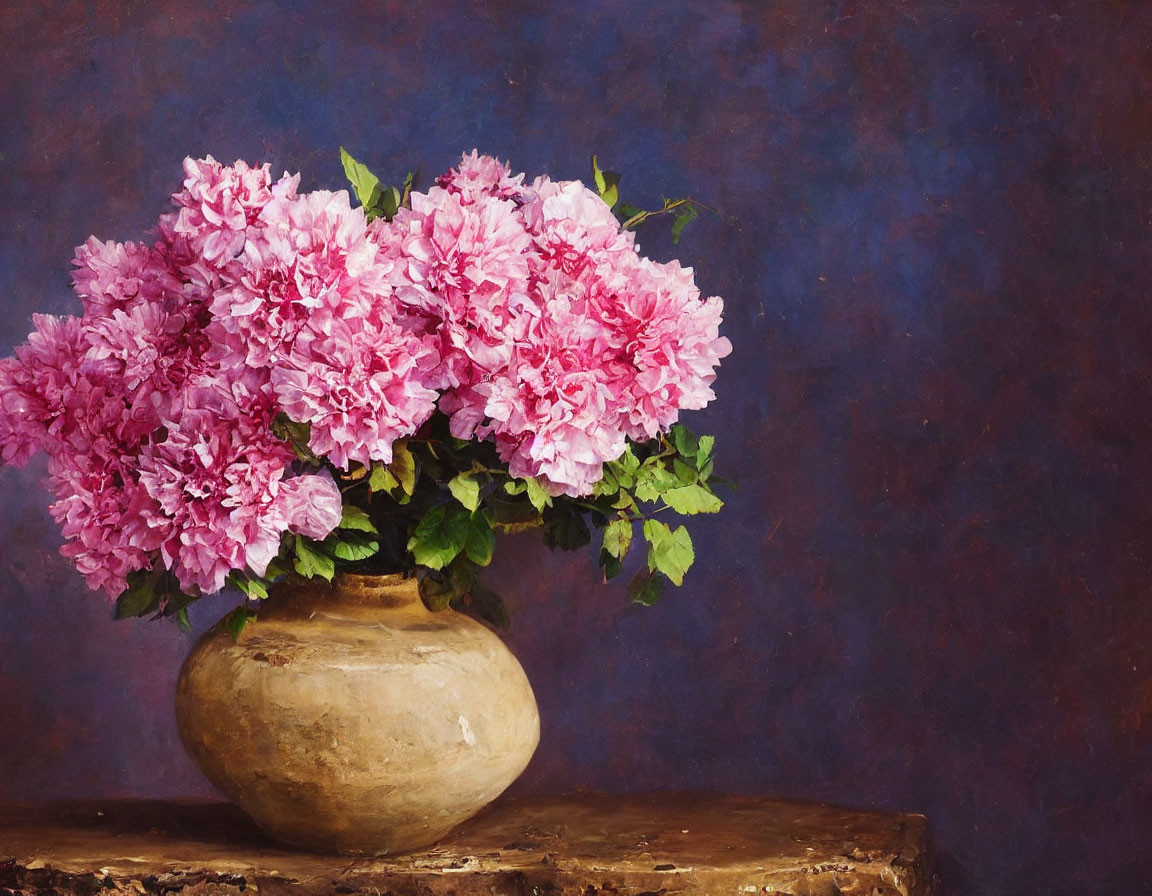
<point>584,844</point>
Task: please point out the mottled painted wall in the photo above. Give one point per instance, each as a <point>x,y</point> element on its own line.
<point>934,589</point>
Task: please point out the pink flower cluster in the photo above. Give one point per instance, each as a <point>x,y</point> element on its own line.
<point>522,311</point>
<point>557,339</point>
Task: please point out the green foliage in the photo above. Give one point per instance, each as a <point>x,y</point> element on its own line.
<point>669,551</point>
<point>235,622</point>
<point>252,588</point>
<point>364,182</point>
<point>683,211</point>
<point>435,507</point>
<point>140,597</point>
<point>533,489</point>
<point>155,593</point>
<point>356,518</point>
<point>565,527</point>
<point>297,436</point>
<point>692,499</point>
<point>398,478</point>
<point>645,588</point>
<point>376,199</point>
<point>684,217</point>
<point>618,538</point>
<point>465,489</point>
<point>480,542</point>
<point>607,183</point>
<point>350,546</point>
<point>440,535</point>
<point>312,561</point>
<point>457,586</point>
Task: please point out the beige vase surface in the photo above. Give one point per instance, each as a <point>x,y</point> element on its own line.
<point>349,718</point>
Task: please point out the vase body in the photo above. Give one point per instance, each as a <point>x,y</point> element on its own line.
<point>349,718</point>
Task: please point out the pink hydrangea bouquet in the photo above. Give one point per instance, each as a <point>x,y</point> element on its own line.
<point>283,383</point>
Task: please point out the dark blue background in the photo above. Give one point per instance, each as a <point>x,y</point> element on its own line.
<point>933,591</point>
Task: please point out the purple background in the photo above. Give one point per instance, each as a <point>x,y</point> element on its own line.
<point>933,591</point>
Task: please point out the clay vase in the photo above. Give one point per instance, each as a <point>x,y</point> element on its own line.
<point>349,718</point>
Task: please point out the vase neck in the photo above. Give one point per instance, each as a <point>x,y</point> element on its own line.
<point>377,591</point>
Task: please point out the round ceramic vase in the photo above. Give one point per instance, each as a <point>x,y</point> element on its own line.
<point>349,718</point>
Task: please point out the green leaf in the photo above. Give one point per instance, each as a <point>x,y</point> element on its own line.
<point>723,483</point>
<point>254,589</point>
<point>311,561</point>
<point>684,472</point>
<point>536,494</point>
<point>487,604</point>
<point>598,177</point>
<point>465,489</point>
<point>352,546</point>
<point>625,467</point>
<point>683,218</point>
<point>618,538</point>
<point>480,542</point>
<point>611,196</point>
<point>653,479</point>
<point>611,565</point>
<point>356,518</point>
<point>626,212</point>
<point>440,536</point>
<point>704,454</point>
<point>235,621</point>
<point>381,479</point>
<point>646,588</point>
<point>278,566</point>
<point>608,484</point>
<point>403,466</point>
<point>441,589</point>
<point>669,552</point>
<point>437,592</point>
<point>140,597</point>
<point>389,202</point>
<point>624,502</point>
<point>691,499</point>
<point>257,589</point>
<point>363,181</point>
<point>687,446</point>
<point>565,528</point>
<point>400,474</point>
<point>296,435</point>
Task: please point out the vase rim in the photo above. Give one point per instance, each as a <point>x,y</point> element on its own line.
<point>394,589</point>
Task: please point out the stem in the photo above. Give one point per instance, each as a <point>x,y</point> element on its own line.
<point>640,217</point>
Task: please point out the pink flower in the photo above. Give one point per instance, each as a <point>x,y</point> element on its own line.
<point>218,204</point>
<point>655,322</point>
<point>309,262</point>
<point>553,411</point>
<point>215,481</point>
<point>462,272</point>
<point>479,176</point>
<point>524,313</point>
<point>99,509</point>
<point>574,229</point>
<point>116,276</point>
<point>359,387</point>
<point>311,505</point>
<point>42,391</point>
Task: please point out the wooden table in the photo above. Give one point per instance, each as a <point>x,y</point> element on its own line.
<point>588,845</point>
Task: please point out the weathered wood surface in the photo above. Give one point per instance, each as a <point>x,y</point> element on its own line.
<point>588,845</point>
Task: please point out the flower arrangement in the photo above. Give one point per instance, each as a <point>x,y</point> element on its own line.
<point>283,382</point>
